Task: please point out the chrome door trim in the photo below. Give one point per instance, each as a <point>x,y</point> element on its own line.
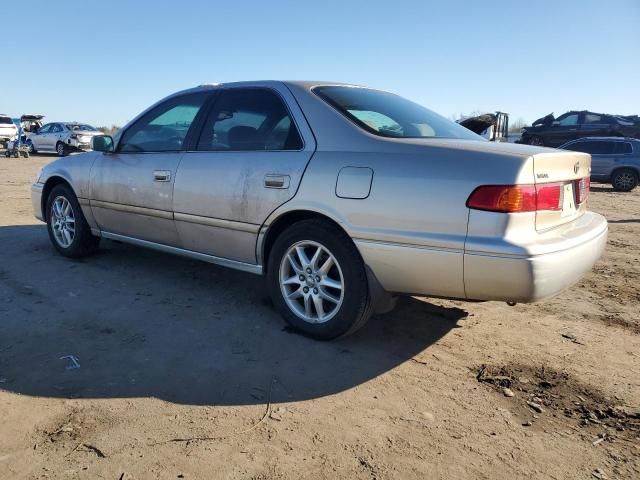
<point>216,222</point>
<point>225,262</point>
<point>150,212</point>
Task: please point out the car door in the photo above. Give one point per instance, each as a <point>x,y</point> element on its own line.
<point>600,158</point>
<point>622,155</point>
<point>593,125</point>
<point>39,138</point>
<point>55,135</point>
<point>563,129</point>
<point>249,159</point>
<point>132,189</point>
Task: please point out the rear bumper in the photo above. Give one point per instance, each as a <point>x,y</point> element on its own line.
<point>539,266</point>
<point>36,200</point>
<point>528,278</point>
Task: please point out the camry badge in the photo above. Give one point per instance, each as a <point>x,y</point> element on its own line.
<point>576,167</point>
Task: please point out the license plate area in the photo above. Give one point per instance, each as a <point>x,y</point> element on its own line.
<point>568,201</point>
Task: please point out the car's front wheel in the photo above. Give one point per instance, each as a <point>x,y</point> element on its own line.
<point>68,230</point>
<point>624,180</point>
<point>317,280</point>
<point>61,149</point>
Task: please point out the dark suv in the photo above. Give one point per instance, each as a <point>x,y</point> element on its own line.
<point>551,132</point>
<point>614,160</point>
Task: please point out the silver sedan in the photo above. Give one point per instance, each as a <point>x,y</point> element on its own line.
<point>342,196</point>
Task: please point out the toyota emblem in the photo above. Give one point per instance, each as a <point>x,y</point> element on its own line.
<point>576,167</point>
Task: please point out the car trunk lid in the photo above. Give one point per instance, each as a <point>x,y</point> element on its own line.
<point>569,173</point>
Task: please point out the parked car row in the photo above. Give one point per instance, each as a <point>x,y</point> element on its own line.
<point>62,138</point>
<point>57,137</point>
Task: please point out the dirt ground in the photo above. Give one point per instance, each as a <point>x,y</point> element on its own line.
<point>184,370</point>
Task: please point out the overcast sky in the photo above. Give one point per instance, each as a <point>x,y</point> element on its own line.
<point>83,61</point>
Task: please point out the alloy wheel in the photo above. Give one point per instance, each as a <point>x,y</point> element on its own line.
<point>63,222</point>
<point>60,149</point>
<point>311,281</point>
<point>624,181</point>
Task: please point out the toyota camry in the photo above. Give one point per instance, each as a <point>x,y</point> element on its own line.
<point>342,196</point>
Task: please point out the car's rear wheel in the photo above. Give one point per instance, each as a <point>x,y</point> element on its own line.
<point>68,230</point>
<point>317,280</point>
<point>624,180</point>
<point>61,149</point>
<point>32,149</point>
<point>536,140</point>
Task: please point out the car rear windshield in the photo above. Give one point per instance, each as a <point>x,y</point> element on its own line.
<point>389,115</point>
<point>81,127</point>
<point>5,120</point>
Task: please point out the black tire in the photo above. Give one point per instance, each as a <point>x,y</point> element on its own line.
<point>83,242</point>
<point>624,180</point>
<point>61,149</point>
<point>32,149</point>
<point>536,140</point>
<point>355,309</point>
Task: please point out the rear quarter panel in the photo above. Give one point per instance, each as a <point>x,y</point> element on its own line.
<point>411,229</point>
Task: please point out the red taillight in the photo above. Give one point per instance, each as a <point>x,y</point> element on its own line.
<point>581,188</point>
<point>516,198</point>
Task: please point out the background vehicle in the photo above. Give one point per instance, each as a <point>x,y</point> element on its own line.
<point>552,132</point>
<point>8,129</point>
<point>614,160</point>
<point>341,195</point>
<point>30,123</point>
<point>62,138</point>
<point>492,126</point>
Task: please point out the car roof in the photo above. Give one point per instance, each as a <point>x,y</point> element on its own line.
<point>307,84</point>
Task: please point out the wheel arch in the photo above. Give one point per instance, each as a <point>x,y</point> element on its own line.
<point>268,235</point>
<point>51,182</point>
<point>633,168</point>
<point>382,301</point>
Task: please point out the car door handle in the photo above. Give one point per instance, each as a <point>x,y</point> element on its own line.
<point>273,180</point>
<point>161,175</point>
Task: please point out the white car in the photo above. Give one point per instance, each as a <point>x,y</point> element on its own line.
<point>8,129</point>
<point>62,138</point>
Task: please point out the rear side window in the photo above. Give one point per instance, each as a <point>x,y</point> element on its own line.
<point>389,115</point>
<point>579,147</point>
<point>595,147</point>
<point>164,128</point>
<point>592,118</point>
<point>623,148</point>
<point>568,120</point>
<point>249,120</point>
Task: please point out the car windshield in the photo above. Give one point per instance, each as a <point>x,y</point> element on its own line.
<point>80,127</point>
<point>389,115</point>
<point>5,120</point>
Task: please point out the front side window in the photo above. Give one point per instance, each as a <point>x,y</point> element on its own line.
<point>389,115</point>
<point>249,120</point>
<point>164,128</point>
<point>569,120</point>
<point>56,128</point>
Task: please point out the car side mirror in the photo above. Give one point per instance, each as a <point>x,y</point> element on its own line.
<point>102,143</point>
